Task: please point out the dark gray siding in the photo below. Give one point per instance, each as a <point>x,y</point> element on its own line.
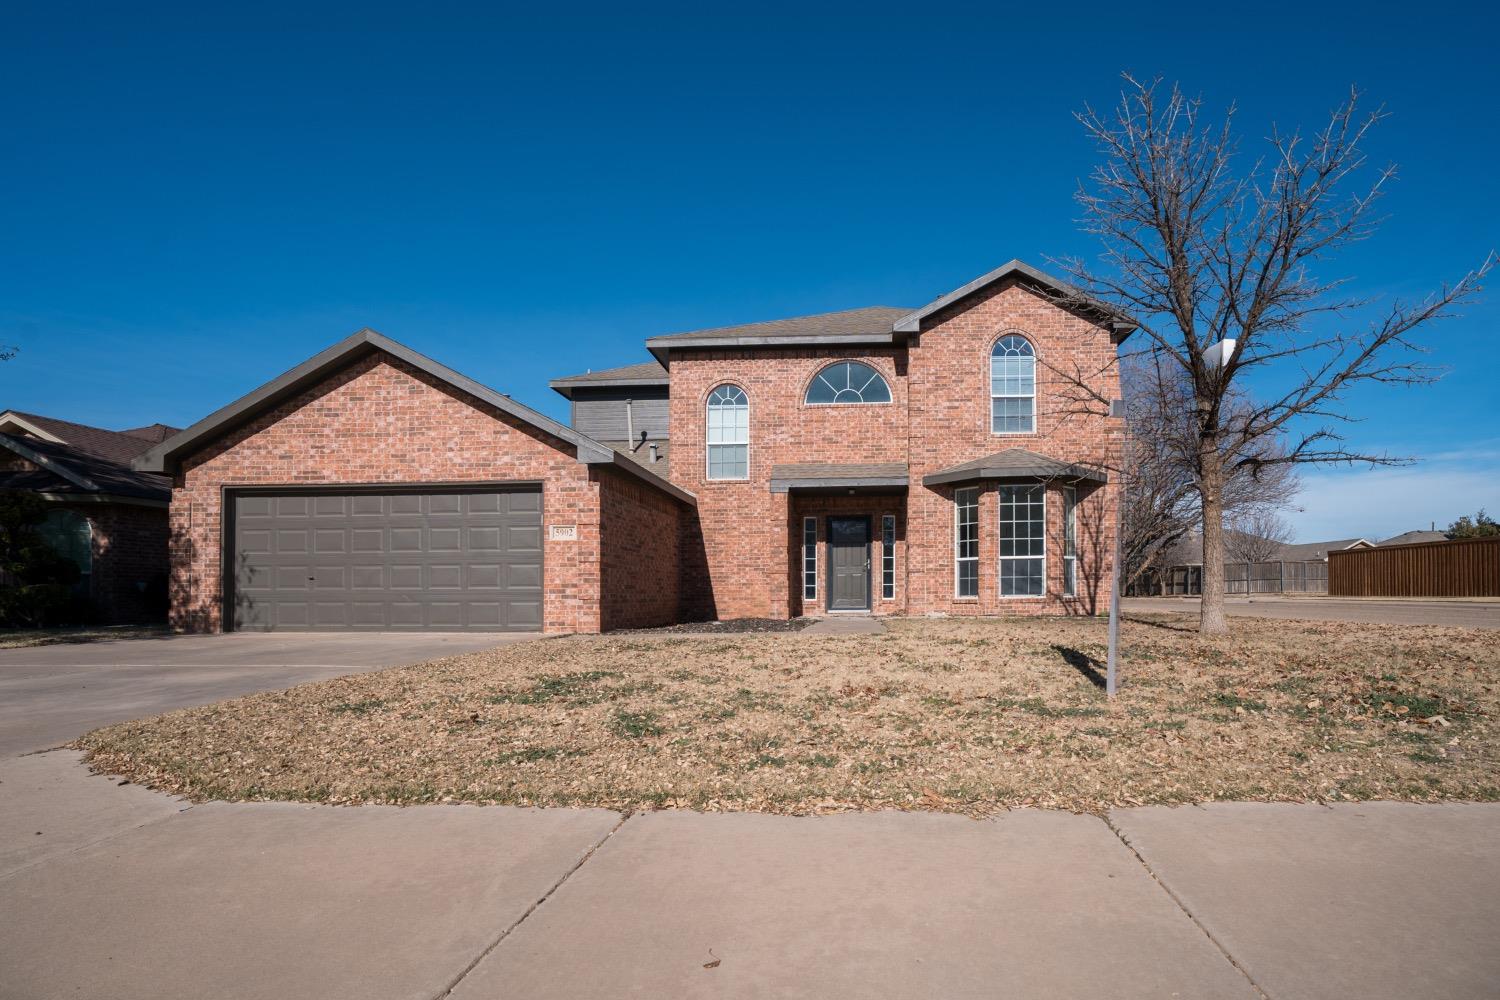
<point>600,413</point>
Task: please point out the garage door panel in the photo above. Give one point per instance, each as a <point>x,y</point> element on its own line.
<point>441,560</point>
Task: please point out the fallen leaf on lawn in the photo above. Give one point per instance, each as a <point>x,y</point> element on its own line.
<point>715,963</point>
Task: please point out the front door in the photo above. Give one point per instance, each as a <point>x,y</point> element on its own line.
<point>848,564</point>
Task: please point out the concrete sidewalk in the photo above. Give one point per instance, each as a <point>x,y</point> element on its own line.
<point>114,891</point>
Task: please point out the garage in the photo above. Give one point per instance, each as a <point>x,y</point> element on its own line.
<point>408,558</point>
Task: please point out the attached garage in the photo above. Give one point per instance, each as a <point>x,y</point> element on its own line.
<point>371,488</point>
<point>432,559</point>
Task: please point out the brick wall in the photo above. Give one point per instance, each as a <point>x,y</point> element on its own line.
<point>130,561</point>
<point>381,421</point>
<point>950,424</point>
<point>639,541</point>
<point>744,526</point>
<point>749,555</point>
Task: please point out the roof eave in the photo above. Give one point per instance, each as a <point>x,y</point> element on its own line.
<point>660,346</point>
<point>1119,326</point>
<point>564,386</point>
<point>831,482</point>
<point>1074,473</point>
<point>638,470</point>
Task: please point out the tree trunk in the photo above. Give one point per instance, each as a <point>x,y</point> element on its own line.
<point>1211,618</point>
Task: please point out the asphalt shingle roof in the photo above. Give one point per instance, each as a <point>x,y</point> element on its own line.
<point>116,446</point>
<point>867,321</point>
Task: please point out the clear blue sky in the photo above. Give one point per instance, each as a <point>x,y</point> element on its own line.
<point>193,200</point>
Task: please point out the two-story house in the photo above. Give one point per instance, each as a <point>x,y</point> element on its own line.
<point>880,460</point>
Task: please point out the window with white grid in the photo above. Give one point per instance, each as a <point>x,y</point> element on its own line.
<point>1023,541</point>
<point>1012,386</point>
<point>728,433</point>
<point>1070,542</point>
<point>809,559</point>
<point>966,542</point>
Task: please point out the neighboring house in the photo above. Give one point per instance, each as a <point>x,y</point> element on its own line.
<point>109,519</point>
<point>1178,571</point>
<point>881,460</point>
<point>1414,537</point>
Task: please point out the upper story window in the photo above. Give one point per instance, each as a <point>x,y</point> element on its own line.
<point>1012,386</point>
<point>848,382</point>
<point>728,433</point>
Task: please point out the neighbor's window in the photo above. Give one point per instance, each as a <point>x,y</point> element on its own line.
<point>1023,541</point>
<point>888,557</point>
<point>809,559</point>
<point>966,542</point>
<point>848,382</point>
<point>1070,541</point>
<point>728,433</point>
<point>69,534</point>
<point>1012,386</point>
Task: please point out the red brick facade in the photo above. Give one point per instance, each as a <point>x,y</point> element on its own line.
<point>382,421</point>
<point>938,417</point>
<point>639,555</point>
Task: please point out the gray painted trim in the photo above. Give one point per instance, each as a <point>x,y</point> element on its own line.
<point>833,482</point>
<point>659,346</point>
<point>165,456</point>
<point>641,472</point>
<point>50,464</point>
<point>565,387</point>
<point>1071,472</point>
<point>1120,326</point>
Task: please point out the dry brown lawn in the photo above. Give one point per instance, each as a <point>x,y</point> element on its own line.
<point>956,715</point>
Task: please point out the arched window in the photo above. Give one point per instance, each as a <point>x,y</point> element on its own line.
<point>728,433</point>
<point>848,382</point>
<point>1012,386</point>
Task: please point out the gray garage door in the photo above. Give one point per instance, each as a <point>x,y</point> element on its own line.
<point>438,560</point>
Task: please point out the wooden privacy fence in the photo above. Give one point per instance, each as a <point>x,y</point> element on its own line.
<point>1465,567</point>
<point>1239,578</point>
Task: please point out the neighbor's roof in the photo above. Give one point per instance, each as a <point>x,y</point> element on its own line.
<point>823,475</point>
<point>1307,551</point>
<point>1014,463</point>
<point>648,373</point>
<point>117,446</point>
<point>166,456</point>
<point>64,470</point>
<point>1412,537</point>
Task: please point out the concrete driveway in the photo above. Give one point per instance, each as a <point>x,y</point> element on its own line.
<point>50,695</point>
<point>1462,613</point>
<point>111,891</point>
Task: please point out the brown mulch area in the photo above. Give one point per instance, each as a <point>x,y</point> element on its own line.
<point>729,626</point>
<point>969,716</point>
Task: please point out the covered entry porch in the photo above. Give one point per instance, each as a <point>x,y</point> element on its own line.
<point>846,532</point>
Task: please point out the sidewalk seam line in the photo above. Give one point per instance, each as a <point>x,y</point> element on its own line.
<point>1183,907</point>
<point>463,974</point>
<point>95,843</point>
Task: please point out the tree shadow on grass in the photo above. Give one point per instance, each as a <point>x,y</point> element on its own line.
<point>1090,668</point>
<point>1169,626</point>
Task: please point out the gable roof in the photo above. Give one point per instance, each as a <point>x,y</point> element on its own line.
<point>1014,463</point>
<point>116,446</point>
<point>647,373</point>
<point>167,456</point>
<point>869,325</point>
<point>62,469</point>
<point>1120,325</point>
<point>1413,537</point>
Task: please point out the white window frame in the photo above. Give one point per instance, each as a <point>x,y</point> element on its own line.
<point>999,519</point>
<point>879,376</point>
<point>810,583</point>
<point>888,557</point>
<point>958,560</point>
<point>990,376</point>
<point>708,446</point>
<point>1070,540</point>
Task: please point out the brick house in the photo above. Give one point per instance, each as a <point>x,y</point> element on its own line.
<point>877,460</point>
<point>109,519</point>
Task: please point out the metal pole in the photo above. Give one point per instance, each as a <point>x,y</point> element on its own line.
<point>1110,671</point>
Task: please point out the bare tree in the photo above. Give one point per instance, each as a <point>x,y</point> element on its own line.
<point>1199,252</point>
<point>1161,499</point>
<point>1257,536</point>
